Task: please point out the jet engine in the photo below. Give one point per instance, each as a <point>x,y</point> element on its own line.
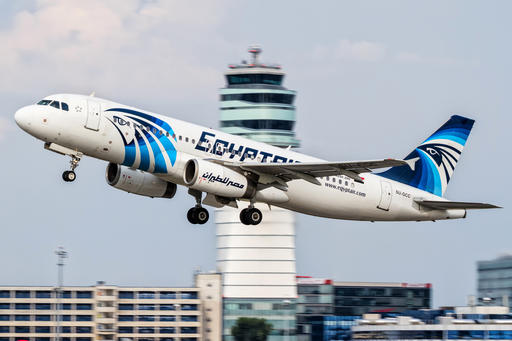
<point>213,178</point>
<point>138,182</point>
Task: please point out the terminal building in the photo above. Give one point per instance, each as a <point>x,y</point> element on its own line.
<point>327,309</point>
<point>495,280</point>
<point>107,312</point>
<point>460,323</point>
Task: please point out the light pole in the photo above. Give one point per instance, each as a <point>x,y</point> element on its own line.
<point>286,306</point>
<point>61,255</point>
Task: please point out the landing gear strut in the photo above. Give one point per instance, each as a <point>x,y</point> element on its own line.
<point>198,214</point>
<point>70,175</point>
<point>251,216</point>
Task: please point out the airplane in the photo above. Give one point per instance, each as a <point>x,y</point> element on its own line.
<point>150,154</point>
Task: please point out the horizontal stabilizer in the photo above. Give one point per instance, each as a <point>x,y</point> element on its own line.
<point>449,205</point>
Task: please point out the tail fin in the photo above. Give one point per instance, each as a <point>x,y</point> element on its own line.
<point>432,163</point>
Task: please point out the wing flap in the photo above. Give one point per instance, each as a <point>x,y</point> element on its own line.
<point>310,170</point>
<point>448,205</point>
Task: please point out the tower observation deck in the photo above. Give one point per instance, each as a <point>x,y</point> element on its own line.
<point>254,103</point>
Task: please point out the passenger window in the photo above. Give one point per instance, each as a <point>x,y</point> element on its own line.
<point>55,104</point>
<point>167,133</point>
<point>179,138</point>
<point>341,182</point>
<point>334,180</point>
<point>346,183</point>
<point>174,136</point>
<point>64,106</point>
<point>193,141</point>
<point>186,139</point>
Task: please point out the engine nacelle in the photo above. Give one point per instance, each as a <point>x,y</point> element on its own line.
<point>213,178</point>
<point>138,182</point>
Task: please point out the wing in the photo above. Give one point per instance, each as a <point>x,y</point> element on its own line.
<point>447,205</point>
<point>309,171</point>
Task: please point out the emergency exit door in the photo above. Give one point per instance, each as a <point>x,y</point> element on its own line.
<point>93,115</point>
<point>385,196</point>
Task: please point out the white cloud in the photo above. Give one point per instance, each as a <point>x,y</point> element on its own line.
<point>345,49</point>
<point>130,44</point>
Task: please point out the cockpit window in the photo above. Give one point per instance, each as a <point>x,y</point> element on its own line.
<point>55,104</point>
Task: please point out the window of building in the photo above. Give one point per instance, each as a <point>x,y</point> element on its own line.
<point>167,318</point>
<point>5,294</point>
<point>265,97</point>
<point>186,318</point>
<point>22,294</point>
<point>43,306</point>
<point>259,124</point>
<point>84,294</point>
<point>42,329</point>
<point>146,307</point>
<point>83,330</point>
<point>189,307</point>
<point>83,339</point>
<point>189,295</point>
<point>65,306</point>
<point>255,78</point>
<point>42,339</point>
<point>146,318</point>
<point>83,317</point>
<point>126,307</point>
<point>5,306</point>
<point>189,330</point>
<point>126,295</point>
<point>22,329</point>
<point>125,330</point>
<point>245,306</point>
<point>146,330</point>
<point>167,330</point>
<point>22,318</point>
<point>66,294</point>
<point>83,306</point>
<point>65,318</point>
<point>22,306</point>
<point>125,318</point>
<point>163,339</point>
<point>4,317</point>
<point>167,295</point>
<point>4,329</point>
<point>65,329</point>
<point>43,294</point>
<point>43,318</point>
<point>167,307</point>
<point>146,295</point>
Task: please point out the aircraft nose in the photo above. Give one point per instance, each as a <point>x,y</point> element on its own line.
<point>22,118</point>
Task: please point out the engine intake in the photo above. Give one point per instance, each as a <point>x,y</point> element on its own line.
<point>213,178</point>
<point>138,182</point>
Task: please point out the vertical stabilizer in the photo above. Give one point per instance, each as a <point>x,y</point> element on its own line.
<point>431,164</point>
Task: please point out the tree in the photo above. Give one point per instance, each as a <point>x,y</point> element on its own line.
<point>251,329</point>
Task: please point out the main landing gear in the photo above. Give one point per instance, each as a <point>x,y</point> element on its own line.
<point>251,216</point>
<point>198,214</point>
<point>70,175</point>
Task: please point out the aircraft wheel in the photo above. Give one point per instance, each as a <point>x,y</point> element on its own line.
<point>69,176</point>
<point>254,216</point>
<point>244,217</point>
<point>201,215</point>
<point>191,216</point>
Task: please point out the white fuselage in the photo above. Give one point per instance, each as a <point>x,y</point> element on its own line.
<point>92,128</point>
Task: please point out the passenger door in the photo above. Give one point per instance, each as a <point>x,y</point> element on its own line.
<point>93,115</point>
<point>385,196</point>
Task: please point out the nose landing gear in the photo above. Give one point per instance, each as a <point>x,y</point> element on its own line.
<point>198,214</point>
<point>70,175</point>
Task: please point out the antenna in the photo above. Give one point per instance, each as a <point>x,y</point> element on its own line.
<point>255,50</point>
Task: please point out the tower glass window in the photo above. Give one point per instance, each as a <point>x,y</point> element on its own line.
<point>255,78</point>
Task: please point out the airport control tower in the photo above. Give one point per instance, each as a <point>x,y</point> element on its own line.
<point>258,262</point>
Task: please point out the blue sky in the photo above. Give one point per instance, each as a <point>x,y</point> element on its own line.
<point>374,78</point>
